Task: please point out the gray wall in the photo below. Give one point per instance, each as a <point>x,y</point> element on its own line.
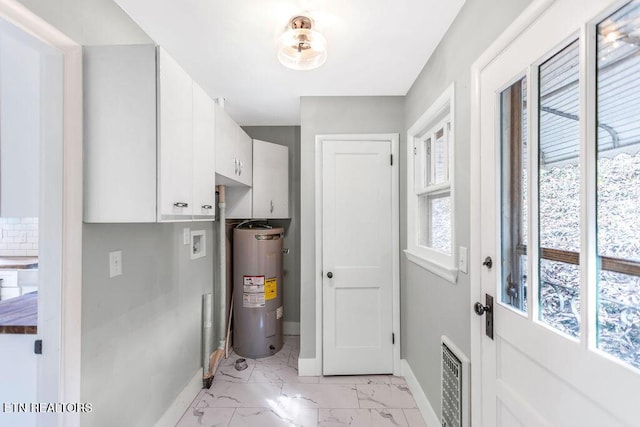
<point>478,24</point>
<point>331,115</point>
<point>141,335</point>
<point>289,136</point>
<point>140,331</point>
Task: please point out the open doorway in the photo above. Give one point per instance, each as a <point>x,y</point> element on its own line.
<point>53,89</point>
<point>31,105</point>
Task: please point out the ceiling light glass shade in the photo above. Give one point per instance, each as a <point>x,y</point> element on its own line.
<point>302,48</point>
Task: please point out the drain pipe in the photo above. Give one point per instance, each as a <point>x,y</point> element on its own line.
<point>222,266</point>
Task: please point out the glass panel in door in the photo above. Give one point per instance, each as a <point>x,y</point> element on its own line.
<point>559,191</point>
<point>513,114</point>
<point>618,184</point>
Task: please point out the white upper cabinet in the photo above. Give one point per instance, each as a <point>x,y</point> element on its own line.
<point>270,180</point>
<point>119,133</point>
<point>175,141</point>
<point>226,159</point>
<point>245,157</point>
<point>204,153</point>
<point>233,152</point>
<point>149,143</point>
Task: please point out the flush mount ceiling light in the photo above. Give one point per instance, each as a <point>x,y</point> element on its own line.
<point>300,47</point>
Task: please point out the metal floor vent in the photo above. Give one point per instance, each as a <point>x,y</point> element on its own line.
<point>455,370</point>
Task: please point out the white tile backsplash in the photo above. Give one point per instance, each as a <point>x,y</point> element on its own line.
<point>18,236</point>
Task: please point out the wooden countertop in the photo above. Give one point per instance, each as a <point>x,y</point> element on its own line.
<point>19,315</point>
<point>18,263</point>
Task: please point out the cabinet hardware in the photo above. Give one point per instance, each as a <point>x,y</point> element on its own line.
<point>181,205</point>
<point>271,206</point>
<point>207,207</point>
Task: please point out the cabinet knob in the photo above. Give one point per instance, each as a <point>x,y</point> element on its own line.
<point>181,205</point>
<point>240,167</point>
<point>207,207</point>
<point>271,206</point>
<point>235,161</point>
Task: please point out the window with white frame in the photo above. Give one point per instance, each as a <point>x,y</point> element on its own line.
<point>430,189</point>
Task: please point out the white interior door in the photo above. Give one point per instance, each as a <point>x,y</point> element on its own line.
<point>357,256</point>
<point>549,361</point>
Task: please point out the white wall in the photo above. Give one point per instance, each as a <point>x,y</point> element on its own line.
<point>431,306</point>
<point>327,115</point>
<point>19,125</point>
<point>18,236</point>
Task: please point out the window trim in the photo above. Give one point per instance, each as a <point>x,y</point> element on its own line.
<point>434,261</point>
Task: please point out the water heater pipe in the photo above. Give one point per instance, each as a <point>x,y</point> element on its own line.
<point>222,266</point>
<point>207,330</point>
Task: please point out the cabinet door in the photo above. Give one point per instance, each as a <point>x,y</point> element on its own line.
<point>204,151</point>
<point>270,180</point>
<point>175,142</point>
<point>226,160</point>
<point>244,150</point>
<point>120,133</point>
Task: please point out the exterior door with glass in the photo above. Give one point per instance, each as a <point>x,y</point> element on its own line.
<point>559,191</point>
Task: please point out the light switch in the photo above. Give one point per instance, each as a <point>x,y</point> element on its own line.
<point>186,236</point>
<point>115,264</point>
<point>462,260</point>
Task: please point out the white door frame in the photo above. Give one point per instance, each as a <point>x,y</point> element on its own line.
<point>395,221</point>
<point>530,14</point>
<point>68,306</point>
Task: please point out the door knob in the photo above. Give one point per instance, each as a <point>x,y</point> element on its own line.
<point>481,309</point>
<point>488,262</point>
<point>329,275</point>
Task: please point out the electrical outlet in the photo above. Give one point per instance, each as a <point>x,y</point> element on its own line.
<point>115,264</point>
<point>462,260</point>
<point>22,237</point>
<point>186,236</point>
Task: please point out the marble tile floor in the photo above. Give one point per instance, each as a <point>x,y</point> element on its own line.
<point>269,393</point>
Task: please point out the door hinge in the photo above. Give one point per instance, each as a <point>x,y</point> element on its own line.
<point>37,347</point>
<point>393,338</point>
<point>391,156</point>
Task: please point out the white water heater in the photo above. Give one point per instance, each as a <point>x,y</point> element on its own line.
<point>257,290</point>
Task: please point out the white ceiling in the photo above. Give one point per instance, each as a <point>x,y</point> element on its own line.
<point>375,47</point>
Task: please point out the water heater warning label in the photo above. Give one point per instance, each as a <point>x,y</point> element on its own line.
<point>253,295</point>
<point>253,300</point>
<point>271,288</point>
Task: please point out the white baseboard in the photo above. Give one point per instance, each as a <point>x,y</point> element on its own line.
<point>429,415</point>
<point>173,414</point>
<point>291,328</point>
<point>308,367</point>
